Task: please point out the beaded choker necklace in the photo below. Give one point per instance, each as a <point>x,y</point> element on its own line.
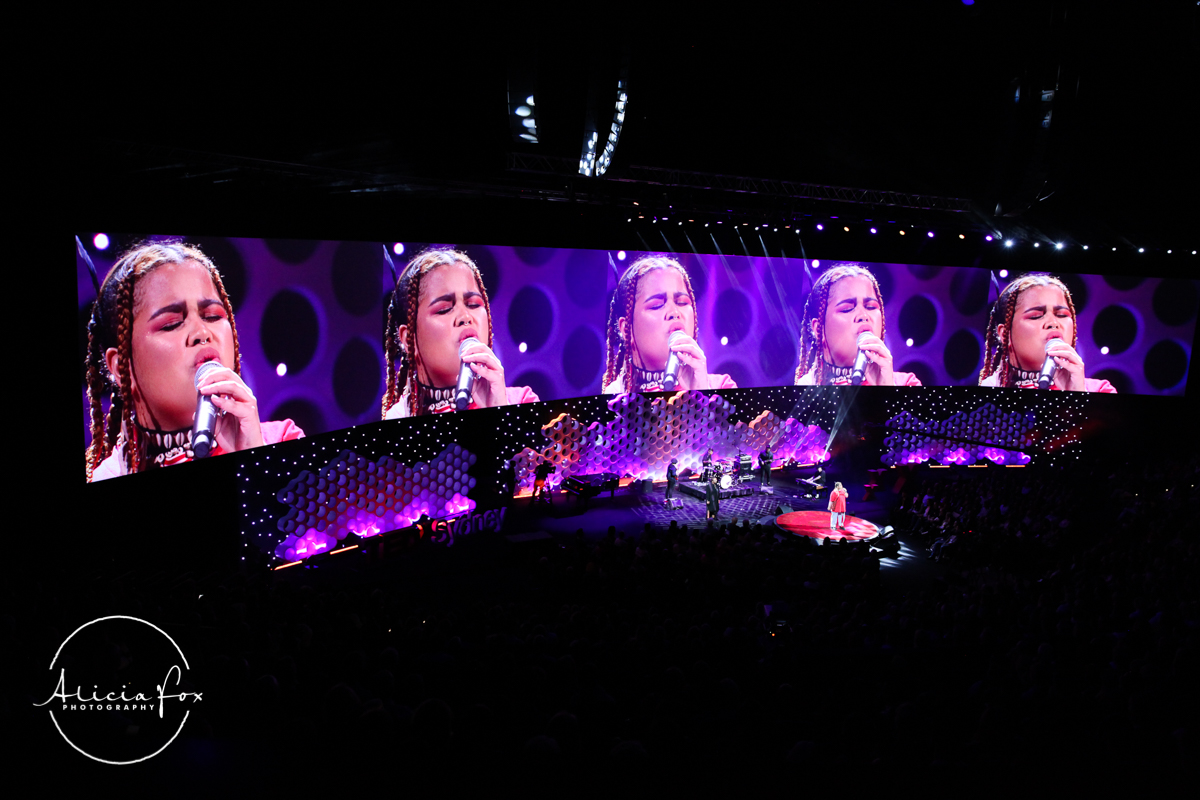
<point>165,448</point>
<point>1023,378</point>
<point>647,379</point>
<point>437,400</point>
<point>837,376</point>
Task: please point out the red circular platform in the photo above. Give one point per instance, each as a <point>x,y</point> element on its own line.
<point>815,525</point>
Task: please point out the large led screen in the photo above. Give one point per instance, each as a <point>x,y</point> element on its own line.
<point>305,334</point>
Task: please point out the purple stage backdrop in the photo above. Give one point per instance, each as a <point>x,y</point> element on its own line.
<point>310,317</point>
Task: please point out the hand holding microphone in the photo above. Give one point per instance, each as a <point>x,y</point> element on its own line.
<point>1048,368</point>
<point>480,376</point>
<point>226,411</point>
<point>1063,367</point>
<point>673,361</point>
<point>466,376</point>
<point>872,355</point>
<point>685,352</point>
<point>860,361</point>
<point>204,425</point>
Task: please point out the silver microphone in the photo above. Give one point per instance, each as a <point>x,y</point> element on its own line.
<point>860,362</point>
<point>466,378</point>
<point>1048,368</point>
<point>673,362</point>
<point>204,425</point>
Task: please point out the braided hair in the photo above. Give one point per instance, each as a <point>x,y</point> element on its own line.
<point>812,345</point>
<point>111,326</point>
<point>402,310</point>
<point>620,347</point>
<point>997,356</point>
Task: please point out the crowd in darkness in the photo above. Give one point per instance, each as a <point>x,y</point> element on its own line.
<point>1058,633</point>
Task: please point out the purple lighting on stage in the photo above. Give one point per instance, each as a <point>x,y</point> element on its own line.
<point>647,433</point>
<point>874,231</point>
<point>354,495</point>
<point>101,241</point>
<point>930,234</point>
<point>987,238</point>
<point>820,227</point>
<point>989,433</point>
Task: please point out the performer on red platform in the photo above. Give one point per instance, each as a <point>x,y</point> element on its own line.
<point>1032,319</point>
<point>844,304</point>
<point>439,302</point>
<point>653,300</point>
<point>160,314</point>
<point>837,506</point>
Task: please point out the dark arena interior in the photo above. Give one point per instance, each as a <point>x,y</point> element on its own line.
<point>656,252</point>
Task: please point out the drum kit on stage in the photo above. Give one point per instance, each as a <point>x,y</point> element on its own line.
<point>731,471</point>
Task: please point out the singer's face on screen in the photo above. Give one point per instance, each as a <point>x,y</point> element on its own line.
<point>1042,314</point>
<point>852,309</point>
<point>179,322</point>
<point>449,310</point>
<point>662,306</point>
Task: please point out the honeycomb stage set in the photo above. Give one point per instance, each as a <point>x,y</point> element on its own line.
<point>538,472</point>
<point>568,387</point>
<point>490,505</point>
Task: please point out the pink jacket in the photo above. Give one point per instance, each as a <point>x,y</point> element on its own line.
<point>515,394</point>
<point>273,433</point>
<point>902,379</point>
<point>1090,384</point>
<point>714,381</point>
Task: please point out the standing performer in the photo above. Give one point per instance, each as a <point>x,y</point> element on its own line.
<point>672,475</point>
<point>540,473</point>
<point>508,480</point>
<point>843,316</point>
<point>837,506</point>
<point>654,300</point>
<point>1033,321</point>
<point>712,497</point>
<point>160,315</point>
<point>438,304</point>
<point>764,465</point>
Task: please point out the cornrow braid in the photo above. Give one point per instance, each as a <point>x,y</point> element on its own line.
<point>125,376</point>
<point>95,380</point>
<point>408,294</point>
<point>619,350</point>
<point>812,345</point>
<point>111,326</point>
<point>997,355</point>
